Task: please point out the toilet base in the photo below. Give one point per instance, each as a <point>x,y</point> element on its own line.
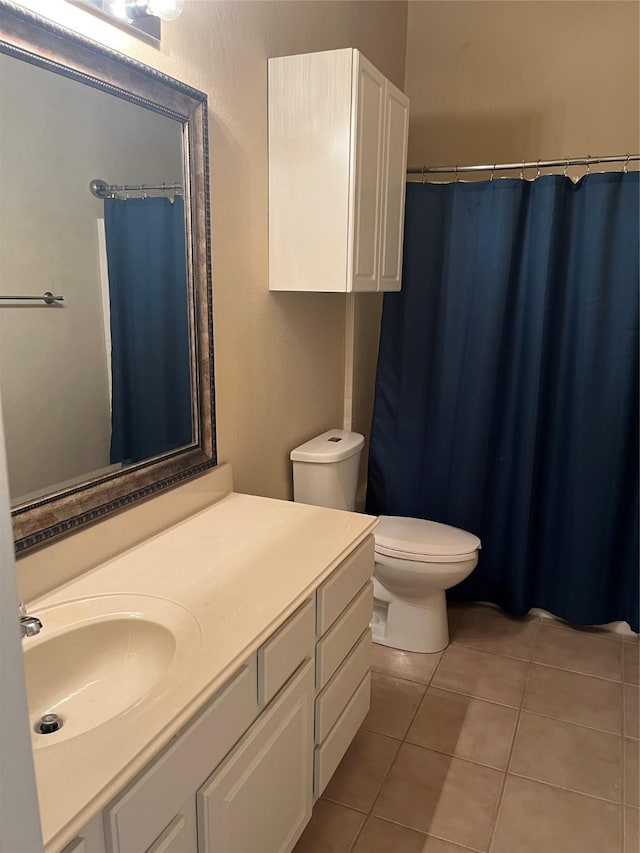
<point>421,626</point>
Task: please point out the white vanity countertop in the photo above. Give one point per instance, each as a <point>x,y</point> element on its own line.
<point>240,567</point>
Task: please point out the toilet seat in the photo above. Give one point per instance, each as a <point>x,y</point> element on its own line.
<point>420,541</point>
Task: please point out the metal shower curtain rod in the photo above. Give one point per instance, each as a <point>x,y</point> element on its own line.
<point>531,164</point>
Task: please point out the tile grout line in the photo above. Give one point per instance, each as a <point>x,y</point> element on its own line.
<point>516,729</point>
<point>565,788</point>
<point>427,835</point>
<point>516,708</point>
<point>457,757</point>
<point>467,644</point>
<point>572,723</point>
<point>578,672</point>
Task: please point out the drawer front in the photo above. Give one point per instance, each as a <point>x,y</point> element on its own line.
<point>335,696</point>
<point>90,838</point>
<point>332,649</point>
<point>329,755</point>
<point>137,817</point>
<point>339,589</point>
<point>283,653</point>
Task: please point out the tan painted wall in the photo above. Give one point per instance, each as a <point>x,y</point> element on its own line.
<point>279,357</point>
<point>503,81</point>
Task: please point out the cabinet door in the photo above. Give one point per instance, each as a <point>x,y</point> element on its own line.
<point>367,142</point>
<point>260,798</point>
<point>140,813</point>
<point>394,179</point>
<point>181,835</point>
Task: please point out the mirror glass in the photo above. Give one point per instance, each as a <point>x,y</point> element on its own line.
<point>106,362</point>
<point>101,379</point>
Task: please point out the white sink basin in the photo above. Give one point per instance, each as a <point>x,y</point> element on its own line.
<point>98,658</point>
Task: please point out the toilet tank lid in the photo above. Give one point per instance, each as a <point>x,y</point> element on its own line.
<point>417,536</point>
<point>334,445</point>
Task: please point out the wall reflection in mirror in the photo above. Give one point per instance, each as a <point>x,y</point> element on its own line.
<point>102,380</point>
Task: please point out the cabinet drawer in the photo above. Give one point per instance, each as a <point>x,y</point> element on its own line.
<point>329,755</point>
<point>331,702</point>
<point>260,798</point>
<point>181,835</point>
<point>137,817</point>
<point>90,839</point>
<point>338,590</point>
<point>332,649</point>
<point>283,653</point>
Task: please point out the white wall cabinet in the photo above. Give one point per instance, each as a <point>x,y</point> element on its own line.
<point>338,133</point>
<point>242,776</point>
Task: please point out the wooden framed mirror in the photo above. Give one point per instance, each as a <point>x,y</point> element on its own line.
<point>104,402</point>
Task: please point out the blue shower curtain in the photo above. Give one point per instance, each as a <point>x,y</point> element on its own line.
<point>150,353</point>
<point>507,388</point>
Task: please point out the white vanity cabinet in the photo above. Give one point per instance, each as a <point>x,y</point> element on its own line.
<point>344,603</point>
<point>242,776</point>
<point>338,133</point>
<point>261,798</point>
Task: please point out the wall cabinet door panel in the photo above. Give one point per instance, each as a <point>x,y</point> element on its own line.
<point>367,165</point>
<point>393,187</point>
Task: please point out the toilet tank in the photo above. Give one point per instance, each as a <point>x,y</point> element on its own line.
<point>325,469</point>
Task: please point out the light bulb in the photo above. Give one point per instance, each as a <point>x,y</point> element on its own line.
<point>166,10</point>
<point>117,8</point>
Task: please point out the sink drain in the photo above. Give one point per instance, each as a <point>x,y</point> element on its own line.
<point>48,724</point>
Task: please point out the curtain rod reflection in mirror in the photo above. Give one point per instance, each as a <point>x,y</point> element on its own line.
<point>101,189</point>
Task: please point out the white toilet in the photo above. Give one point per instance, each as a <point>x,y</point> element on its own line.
<point>415,560</point>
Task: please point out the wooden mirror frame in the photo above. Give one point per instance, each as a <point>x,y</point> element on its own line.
<point>29,37</point>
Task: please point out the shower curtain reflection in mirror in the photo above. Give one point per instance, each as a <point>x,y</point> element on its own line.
<point>149,325</point>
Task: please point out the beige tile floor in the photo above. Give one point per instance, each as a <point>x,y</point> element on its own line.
<point>521,737</point>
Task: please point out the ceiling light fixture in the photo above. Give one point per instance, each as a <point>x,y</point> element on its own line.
<point>134,10</point>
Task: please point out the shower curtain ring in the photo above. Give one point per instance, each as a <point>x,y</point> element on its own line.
<point>588,164</point>
<point>492,171</point>
<point>522,171</point>
<point>626,165</point>
<point>455,180</point>
<point>423,174</point>
<point>537,168</point>
<point>566,166</point>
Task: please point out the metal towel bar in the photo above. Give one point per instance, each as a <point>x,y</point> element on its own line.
<point>47,297</point>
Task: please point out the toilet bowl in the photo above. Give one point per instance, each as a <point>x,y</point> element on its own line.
<point>415,560</point>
